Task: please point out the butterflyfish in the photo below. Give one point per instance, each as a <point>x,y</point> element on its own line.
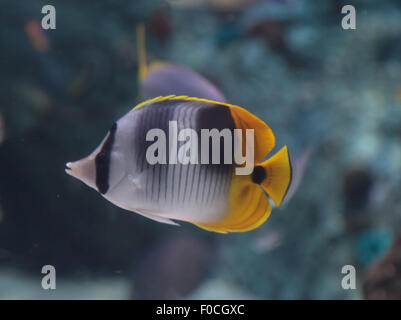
<point>162,78</point>
<point>184,185</point>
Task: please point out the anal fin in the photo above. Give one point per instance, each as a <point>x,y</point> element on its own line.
<point>155,217</point>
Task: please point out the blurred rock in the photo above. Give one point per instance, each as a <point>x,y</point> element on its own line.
<point>160,25</point>
<point>36,99</point>
<point>229,5</point>
<point>174,267</point>
<point>389,48</point>
<point>277,10</point>
<point>383,280</point>
<point>270,20</point>
<point>219,289</point>
<point>357,186</point>
<point>266,241</point>
<point>17,285</point>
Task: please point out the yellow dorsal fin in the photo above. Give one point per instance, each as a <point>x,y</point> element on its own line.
<point>278,175</point>
<point>185,98</point>
<point>158,99</point>
<point>141,50</point>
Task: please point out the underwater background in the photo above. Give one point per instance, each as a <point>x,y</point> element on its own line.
<point>332,95</point>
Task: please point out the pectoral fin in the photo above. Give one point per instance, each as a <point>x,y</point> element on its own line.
<point>138,181</point>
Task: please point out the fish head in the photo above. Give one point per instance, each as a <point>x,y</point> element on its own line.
<point>110,168</point>
<point>84,170</point>
<point>105,167</point>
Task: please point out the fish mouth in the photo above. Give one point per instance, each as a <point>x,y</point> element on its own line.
<point>84,170</point>
<point>68,168</point>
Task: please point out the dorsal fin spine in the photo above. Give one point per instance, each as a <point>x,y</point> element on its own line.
<point>141,49</point>
<point>186,98</point>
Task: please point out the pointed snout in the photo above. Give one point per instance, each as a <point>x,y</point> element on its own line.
<point>84,170</point>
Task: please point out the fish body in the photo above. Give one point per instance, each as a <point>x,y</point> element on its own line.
<point>211,195</point>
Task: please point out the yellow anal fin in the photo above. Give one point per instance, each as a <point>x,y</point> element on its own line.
<point>263,135</point>
<point>254,220</point>
<point>258,217</point>
<point>278,175</point>
<point>210,227</point>
<point>248,208</point>
<point>141,51</point>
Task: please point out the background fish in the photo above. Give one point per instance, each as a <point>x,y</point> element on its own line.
<point>163,78</point>
<point>212,196</point>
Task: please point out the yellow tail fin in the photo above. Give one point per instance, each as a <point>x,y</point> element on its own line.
<point>141,49</point>
<point>278,175</point>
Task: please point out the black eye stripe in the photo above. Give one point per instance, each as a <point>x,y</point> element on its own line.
<point>102,162</point>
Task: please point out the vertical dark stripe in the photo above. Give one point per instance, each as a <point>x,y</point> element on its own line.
<point>205,190</point>
<point>191,167</point>
<point>142,150</point>
<point>183,113</point>
<point>213,182</point>
<point>198,189</point>
<point>102,162</point>
<point>164,167</point>
<point>215,176</point>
